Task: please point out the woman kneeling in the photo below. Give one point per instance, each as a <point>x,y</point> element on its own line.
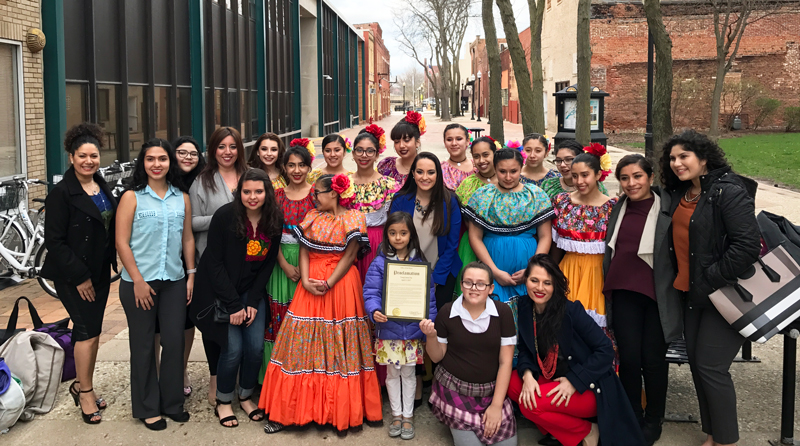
<point>562,354</point>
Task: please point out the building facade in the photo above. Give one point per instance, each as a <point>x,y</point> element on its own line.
<point>376,84</point>
<point>164,68</point>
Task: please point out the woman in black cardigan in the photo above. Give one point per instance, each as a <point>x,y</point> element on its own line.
<point>78,235</point>
<point>564,374</point>
<point>243,242</point>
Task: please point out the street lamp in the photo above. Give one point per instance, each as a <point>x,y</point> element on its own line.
<point>404,96</point>
<point>472,81</point>
<point>479,96</point>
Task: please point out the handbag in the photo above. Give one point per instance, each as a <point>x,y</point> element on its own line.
<point>765,299</point>
<point>217,311</point>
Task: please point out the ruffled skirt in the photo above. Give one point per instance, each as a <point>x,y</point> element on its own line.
<point>510,253</point>
<point>375,234</point>
<point>280,291</point>
<point>585,275</point>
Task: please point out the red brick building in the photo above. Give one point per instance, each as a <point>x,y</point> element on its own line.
<point>376,62</point>
<point>480,64</point>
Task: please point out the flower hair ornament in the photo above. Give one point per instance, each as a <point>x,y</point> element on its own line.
<point>306,144</point>
<point>341,185</point>
<point>496,143</point>
<point>516,145</point>
<point>415,118</point>
<point>379,134</point>
<point>348,145</point>
<point>601,152</point>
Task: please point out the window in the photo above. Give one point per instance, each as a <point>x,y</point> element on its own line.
<point>561,85</point>
<point>184,111</point>
<point>162,112</point>
<point>11,118</point>
<point>107,119</point>
<point>77,104</point>
<point>137,119</point>
<point>504,96</point>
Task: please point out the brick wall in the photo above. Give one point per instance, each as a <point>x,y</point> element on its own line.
<point>16,17</point>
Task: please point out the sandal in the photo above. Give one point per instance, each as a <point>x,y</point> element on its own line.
<point>395,429</point>
<point>228,418</point>
<point>407,433</point>
<point>255,413</point>
<point>187,391</point>
<point>271,427</point>
<point>101,403</point>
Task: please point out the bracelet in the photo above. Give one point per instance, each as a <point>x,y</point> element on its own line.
<point>191,271</point>
<point>327,287</point>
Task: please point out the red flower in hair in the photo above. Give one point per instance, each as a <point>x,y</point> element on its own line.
<point>375,130</point>
<point>596,149</point>
<point>340,183</point>
<point>413,117</point>
<point>301,142</point>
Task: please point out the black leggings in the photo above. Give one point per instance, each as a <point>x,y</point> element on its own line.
<point>642,352</point>
<point>213,352</point>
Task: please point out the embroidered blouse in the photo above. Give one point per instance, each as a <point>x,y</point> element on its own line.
<point>552,187</point>
<point>468,187</point>
<point>552,173</point>
<point>388,167</point>
<point>323,232</point>
<point>278,183</point>
<point>294,211</point>
<point>581,228</point>
<point>373,199</point>
<point>257,244</point>
<point>453,176</point>
<point>508,213</point>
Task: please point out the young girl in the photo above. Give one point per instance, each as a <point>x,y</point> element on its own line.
<point>406,136</point>
<point>333,149</point>
<point>458,167</point>
<point>267,155</point>
<point>566,152</point>
<point>536,148</point>
<point>321,369</point>
<point>399,344</point>
<point>373,191</point>
<point>473,340</point>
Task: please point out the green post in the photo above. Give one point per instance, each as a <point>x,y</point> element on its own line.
<point>347,80</point>
<point>364,84</point>
<point>335,74</point>
<point>261,68</point>
<point>196,58</point>
<point>296,60</point>
<point>55,87</point>
<point>320,69</point>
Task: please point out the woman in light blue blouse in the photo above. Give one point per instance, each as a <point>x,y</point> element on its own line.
<point>153,227</point>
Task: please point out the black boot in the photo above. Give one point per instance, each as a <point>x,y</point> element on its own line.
<point>651,429</point>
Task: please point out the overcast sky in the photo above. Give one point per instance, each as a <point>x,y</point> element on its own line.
<point>384,11</point>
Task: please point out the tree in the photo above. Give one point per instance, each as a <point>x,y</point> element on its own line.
<point>730,19</point>
<point>493,52</point>
<point>764,107</point>
<point>662,81</point>
<point>536,10</point>
<point>583,111</point>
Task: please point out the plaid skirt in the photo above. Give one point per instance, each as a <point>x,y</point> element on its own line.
<point>460,405</point>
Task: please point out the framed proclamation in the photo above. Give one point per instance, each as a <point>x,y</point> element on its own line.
<point>406,290</point>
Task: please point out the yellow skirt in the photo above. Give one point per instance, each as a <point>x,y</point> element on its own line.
<point>585,275</point>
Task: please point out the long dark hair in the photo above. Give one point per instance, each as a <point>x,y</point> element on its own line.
<point>441,197</point>
<point>507,154</point>
<point>271,221</point>
<point>140,174</point>
<point>189,177</point>
<point>634,158</point>
<point>207,175</point>
<point>691,141</point>
<point>413,240</point>
<point>548,324</point>
<point>254,160</point>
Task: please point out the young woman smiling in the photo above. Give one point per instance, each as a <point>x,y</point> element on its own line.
<point>406,135</point>
<point>267,155</point>
<point>458,167</point>
<point>644,309</point>
<point>334,147</point>
<point>190,161</point>
<point>565,155</point>
<point>534,171</point>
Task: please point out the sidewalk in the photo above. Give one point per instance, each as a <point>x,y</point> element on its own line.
<point>758,384</point>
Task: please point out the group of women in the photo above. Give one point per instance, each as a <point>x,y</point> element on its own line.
<point>542,286</point>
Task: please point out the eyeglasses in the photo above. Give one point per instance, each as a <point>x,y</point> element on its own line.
<point>360,151</point>
<point>317,192</point>
<point>187,154</point>
<point>558,161</point>
<point>480,286</point>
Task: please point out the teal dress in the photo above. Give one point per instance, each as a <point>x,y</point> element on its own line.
<point>509,221</point>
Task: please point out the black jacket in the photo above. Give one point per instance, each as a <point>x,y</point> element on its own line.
<point>590,356</point>
<point>724,240</point>
<point>78,245</point>
<point>670,305</point>
<point>220,272</point>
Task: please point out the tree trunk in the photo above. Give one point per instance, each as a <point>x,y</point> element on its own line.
<point>583,111</point>
<point>662,83</point>
<point>537,81</point>
<point>445,96</point>
<point>719,84</point>
<point>520,62</point>
<point>493,52</point>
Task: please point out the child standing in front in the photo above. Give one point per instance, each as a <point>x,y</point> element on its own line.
<point>398,345</point>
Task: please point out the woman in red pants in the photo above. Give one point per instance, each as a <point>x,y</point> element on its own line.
<point>565,378</point>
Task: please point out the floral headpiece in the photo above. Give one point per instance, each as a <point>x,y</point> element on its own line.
<point>415,118</point>
<point>379,134</point>
<point>342,186</point>
<point>516,145</point>
<point>496,143</point>
<point>306,144</point>
<point>601,152</point>
<point>348,145</point>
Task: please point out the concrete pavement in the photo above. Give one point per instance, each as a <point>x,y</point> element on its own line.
<point>758,384</point>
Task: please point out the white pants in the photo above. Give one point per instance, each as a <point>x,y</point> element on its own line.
<point>401,405</point>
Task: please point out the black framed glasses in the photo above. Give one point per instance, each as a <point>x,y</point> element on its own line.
<point>360,151</point>
<point>187,154</point>
<point>317,192</point>
<point>467,285</point>
<point>558,161</point>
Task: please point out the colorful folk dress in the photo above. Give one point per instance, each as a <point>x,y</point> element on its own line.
<point>278,183</point>
<point>453,176</point>
<point>552,173</point>
<point>388,167</point>
<point>322,369</point>
<point>509,221</point>
<point>465,252</point>
<point>280,288</point>
<point>373,200</point>
<point>553,187</point>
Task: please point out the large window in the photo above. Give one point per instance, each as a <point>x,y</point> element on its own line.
<point>11,126</point>
<point>108,119</point>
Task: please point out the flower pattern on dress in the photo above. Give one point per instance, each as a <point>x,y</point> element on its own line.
<point>580,227</point>
<point>508,213</point>
<point>371,197</point>
<point>550,174</point>
<point>398,352</point>
<point>453,176</point>
<point>278,183</point>
<point>468,187</point>
<point>388,167</point>
<point>294,211</point>
<point>552,187</point>
<point>324,232</point>
<point>257,245</point>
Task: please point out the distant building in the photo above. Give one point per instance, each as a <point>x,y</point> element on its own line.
<point>480,64</point>
<point>376,102</point>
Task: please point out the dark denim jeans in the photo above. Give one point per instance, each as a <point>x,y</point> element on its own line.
<point>243,353</point>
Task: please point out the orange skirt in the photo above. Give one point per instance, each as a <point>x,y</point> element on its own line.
<point>585,275</point>
<point>321,368</point>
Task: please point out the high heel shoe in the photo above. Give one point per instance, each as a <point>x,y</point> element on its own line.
<point>88,417</point>
<point>101,403</point>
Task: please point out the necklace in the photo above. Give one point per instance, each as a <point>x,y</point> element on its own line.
<point>458,163</point>
<point>94,189</point>
<point>419,207</point>
<point>548,367</point>
<point>488,179</point>
<point>691,200</point>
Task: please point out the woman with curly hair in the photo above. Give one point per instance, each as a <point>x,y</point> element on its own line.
<point>79,237</point>
<point>406,135</point>
<point>267,155</point>
<point>715,239</point>
<point>322,369</point>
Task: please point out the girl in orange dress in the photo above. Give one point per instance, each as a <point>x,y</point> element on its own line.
<point>321,368</point>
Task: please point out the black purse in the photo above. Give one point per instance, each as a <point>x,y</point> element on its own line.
<point>217,311</point>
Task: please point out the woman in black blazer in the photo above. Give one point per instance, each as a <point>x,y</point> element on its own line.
<point>243,241</point>
<point>78,235</point>
<point>566,359</point>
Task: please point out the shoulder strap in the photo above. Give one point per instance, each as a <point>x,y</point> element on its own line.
<point>12,320</point>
